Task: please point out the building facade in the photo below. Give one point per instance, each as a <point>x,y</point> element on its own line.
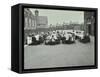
<point>89,22</point>
<point>34,21</point>
<point>29,20</point>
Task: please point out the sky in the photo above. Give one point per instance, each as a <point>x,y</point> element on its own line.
<point>60,16</point>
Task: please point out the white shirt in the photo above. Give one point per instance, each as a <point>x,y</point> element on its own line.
<point>37,37</point>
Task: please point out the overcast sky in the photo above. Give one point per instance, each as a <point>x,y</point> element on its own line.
<point>60,16</point>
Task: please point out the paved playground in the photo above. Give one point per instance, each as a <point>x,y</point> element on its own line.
<point>62,55</point>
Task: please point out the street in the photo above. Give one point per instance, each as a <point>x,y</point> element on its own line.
<point>62,55</point>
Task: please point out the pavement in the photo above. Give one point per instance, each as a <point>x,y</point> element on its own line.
<point>62,55</point>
